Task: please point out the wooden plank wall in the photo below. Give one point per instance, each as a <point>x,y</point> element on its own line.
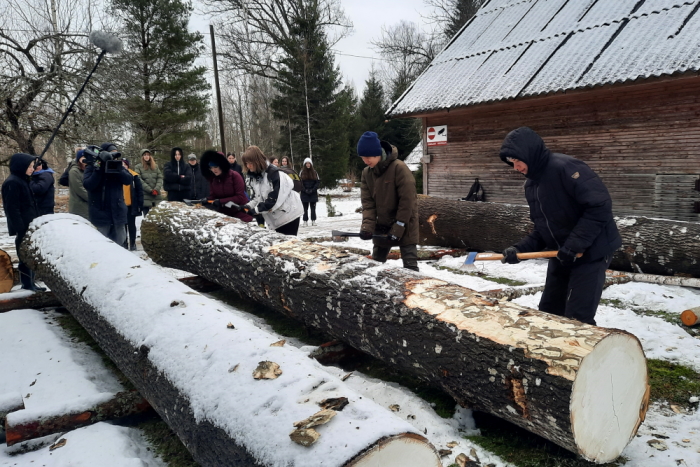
<point>643,140</point>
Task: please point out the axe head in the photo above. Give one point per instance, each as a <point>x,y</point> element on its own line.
<point>468,265</point>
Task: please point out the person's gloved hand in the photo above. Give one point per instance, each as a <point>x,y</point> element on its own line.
<point>154,192</point>
<point>364,235</point>
<point>566,256</point>
<point>510,255</point>
<point>396,232</point>
<point>216,203</point>
<point>308,191</point>
<point>249,209</point>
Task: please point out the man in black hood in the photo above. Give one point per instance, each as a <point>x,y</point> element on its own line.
<point>20,209</point>
<point>572,212</point>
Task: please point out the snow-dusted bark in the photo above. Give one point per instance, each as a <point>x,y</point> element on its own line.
<point>583,387</point>
<point>194,361</point>
<point>652,246</point>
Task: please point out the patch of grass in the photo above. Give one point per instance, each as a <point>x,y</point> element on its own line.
<point>78,333</point>
<point>522,448</point>
<point>166,444</point>
<point>673,383</point>
<point>673,318</point>
<point>498,280</point>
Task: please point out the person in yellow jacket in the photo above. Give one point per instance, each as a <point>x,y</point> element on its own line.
<point>133,198</point>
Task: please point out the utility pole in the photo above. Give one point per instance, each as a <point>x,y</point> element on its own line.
<point>218,91</point>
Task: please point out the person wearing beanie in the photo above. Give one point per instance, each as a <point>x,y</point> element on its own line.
<point>133,198</point>
<point>177,176</point>
<point>42,185</point>
<point>199,187</point>
<point>151,181</point>
<point>226,190</point>
<point>77,194</point>
<point>389,201</point>
<point>572,212</point>
<point>309,193</point>
<point>20,209</point>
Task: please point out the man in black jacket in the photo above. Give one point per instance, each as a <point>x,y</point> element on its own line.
<point>20,209</point>
<point>106,192</point>
<point>572,212</point>
<point>200,186</point>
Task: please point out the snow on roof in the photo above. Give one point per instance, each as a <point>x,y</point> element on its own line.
<point>413,160</point>
<point>518,48</point>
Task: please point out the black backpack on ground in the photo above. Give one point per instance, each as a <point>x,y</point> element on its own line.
<point>476,192</point>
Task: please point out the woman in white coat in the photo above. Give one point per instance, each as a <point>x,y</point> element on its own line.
<point>271,193</point>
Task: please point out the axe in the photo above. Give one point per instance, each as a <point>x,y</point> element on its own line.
<point>338,235</point>
<point>474,256</point>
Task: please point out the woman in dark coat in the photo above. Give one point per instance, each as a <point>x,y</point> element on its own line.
<point>225,186</point>
<point>309,193</point>
<point>20,209</point>
<point>42,185</point>
<point>133,198</point>
<point>177,176</point>
<point>286,167</point>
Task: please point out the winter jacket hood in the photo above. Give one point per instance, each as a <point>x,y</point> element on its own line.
<point>218,159</point>
<point>172,154</point>
<point>526,146</point>
<point>19,163</point>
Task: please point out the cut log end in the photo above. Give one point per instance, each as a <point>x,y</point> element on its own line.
<point>609,398</point>
<point>690,317</point>
<point>399,451</point>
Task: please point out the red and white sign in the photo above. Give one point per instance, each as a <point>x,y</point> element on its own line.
<point>437,135</point>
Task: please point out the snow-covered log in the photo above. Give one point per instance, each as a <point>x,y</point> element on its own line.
<point>651,246</point>
<point>583,387</point>
<point>9,403</point>
<point>623,277</point>
<point>193,359</point>
<point>23,425</point>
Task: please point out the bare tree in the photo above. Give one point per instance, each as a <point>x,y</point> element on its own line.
<point>451,15</point>
<point>44,58</point>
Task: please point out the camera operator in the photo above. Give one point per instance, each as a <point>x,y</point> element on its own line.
<point>104,180</point>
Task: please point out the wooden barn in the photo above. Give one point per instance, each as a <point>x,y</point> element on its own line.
<point>612,82</point>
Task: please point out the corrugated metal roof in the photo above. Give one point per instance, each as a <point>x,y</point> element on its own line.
<point>519,48</point>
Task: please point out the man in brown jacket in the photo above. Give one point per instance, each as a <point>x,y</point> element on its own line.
<point>389,202</point>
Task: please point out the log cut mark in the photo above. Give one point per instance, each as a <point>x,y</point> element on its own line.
<point>431,222</point>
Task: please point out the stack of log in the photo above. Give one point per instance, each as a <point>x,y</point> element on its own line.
<point>582,387</point>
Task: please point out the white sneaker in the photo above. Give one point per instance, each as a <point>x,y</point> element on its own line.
<point>313,222</point>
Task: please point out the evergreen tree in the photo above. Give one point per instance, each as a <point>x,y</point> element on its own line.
<point>162,94</point>
<point>369,117</point>
<point>313,110</point>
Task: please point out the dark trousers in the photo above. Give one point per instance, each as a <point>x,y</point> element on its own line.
<point>574,291</point>
<point>145,210</point>
<point>131,228</point>
<point>409,255</point>
<point>290,228</point>
<point>26,275</point>
<point>116,233</point>
<point>313,210</point>
<point>177,195</point>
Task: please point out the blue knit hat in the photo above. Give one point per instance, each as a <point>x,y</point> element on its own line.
<point>369,145</point>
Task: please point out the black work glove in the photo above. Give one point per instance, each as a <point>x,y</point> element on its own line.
<point>217,203</point>
<point>510,255</point>
<point>249,209</point>
<point>204,201</point>
<point>396,232</point>
<point>105,156</point>
<point>364,235</point>
<point>566,256</point>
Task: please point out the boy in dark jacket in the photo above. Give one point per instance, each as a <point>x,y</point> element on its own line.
<point>200,186</point>
<point>106,193</point>
<point>177,176</point>
<point>42,185</point>
<point>20,209</point>
<point>572,212</point>
<point>389,201</point>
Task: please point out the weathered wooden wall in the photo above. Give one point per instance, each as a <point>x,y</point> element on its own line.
<point>643,140</point>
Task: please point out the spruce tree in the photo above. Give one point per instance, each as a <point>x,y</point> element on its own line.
<point>370,116</point>
<point>162,94</point>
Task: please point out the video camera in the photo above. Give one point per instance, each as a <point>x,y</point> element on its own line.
<point>112,160</point>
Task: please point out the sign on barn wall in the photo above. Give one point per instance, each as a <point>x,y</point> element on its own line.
<point>437,135</point>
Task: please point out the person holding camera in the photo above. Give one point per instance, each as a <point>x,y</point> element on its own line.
<point>178,176</point>
<point>226,186</point>
<point>104,179</point>
<point>20,209</point>
<point>151,181</point>
<point>42,185</point>
<point>389,201</point>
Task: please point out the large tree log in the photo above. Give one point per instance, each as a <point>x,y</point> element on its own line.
<point>23,425</point>
<point>197,363</point>
<point>583,387</point>
<point>652,246</point>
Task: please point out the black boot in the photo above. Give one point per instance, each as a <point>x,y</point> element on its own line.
<point>26,277</point>
<point>132,247</point>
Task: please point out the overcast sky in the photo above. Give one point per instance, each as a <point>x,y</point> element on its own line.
<point>355,54</point>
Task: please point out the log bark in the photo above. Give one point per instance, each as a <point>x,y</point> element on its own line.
<point>650,246</point>
<point>623,277</point>
<point>21,426</point>
<point>583,387</point>
<point>196,371</point>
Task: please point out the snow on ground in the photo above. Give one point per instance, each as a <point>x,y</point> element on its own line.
<point>125,446</point>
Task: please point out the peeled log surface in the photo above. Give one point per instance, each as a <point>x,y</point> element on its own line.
<point>651,246</point>
<point>196,372</point>
<point>583,387</point>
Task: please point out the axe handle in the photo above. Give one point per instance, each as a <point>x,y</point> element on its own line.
<point>532,255</point>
